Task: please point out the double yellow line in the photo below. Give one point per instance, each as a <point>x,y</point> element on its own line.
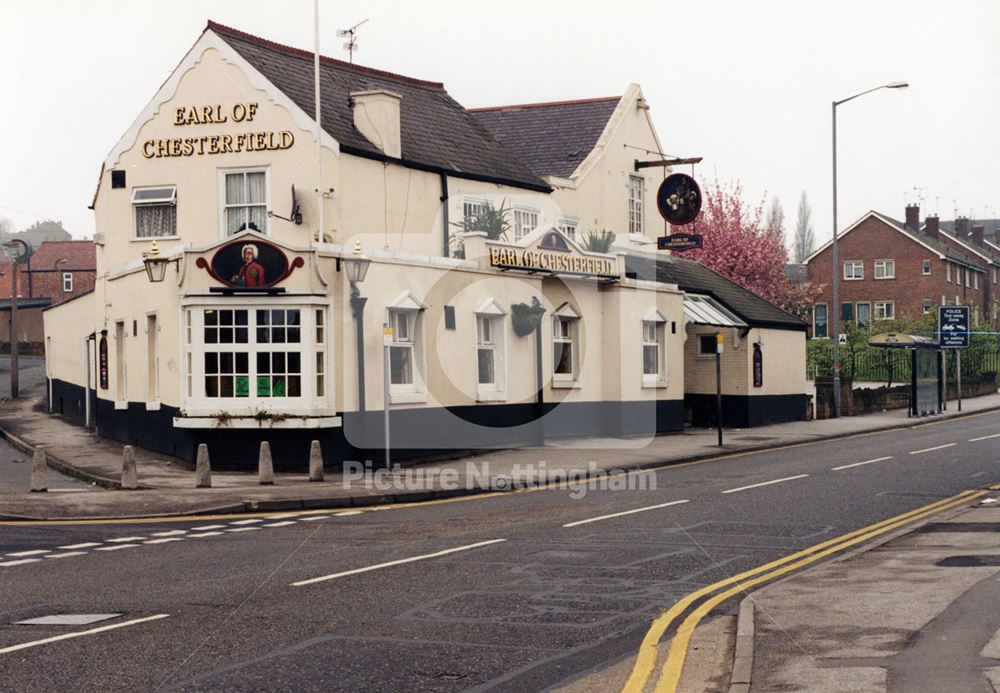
<point>670,675</point>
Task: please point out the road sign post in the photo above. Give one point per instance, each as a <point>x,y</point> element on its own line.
<point>718,384</point>
<point>953,333</point>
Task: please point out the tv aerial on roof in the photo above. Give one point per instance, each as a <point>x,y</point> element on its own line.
<point>351,35</point>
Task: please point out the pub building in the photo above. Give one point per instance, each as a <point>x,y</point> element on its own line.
<point>238,301</point>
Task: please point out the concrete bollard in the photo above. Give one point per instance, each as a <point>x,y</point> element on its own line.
<point>130,478</point>
<point>265,468</point>
<point>315,462</point>
<point>39,470</point>
<point>203,468</point>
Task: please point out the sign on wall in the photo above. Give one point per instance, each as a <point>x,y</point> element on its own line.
<point>216,114</point>
<point>758,366</point>
<point>679,241</point>
<point>249,263</point>
<point>102,359</point>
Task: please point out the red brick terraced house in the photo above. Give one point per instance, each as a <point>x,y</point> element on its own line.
<point>890,269</point>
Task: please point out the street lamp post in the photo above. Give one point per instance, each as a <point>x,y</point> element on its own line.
<point>835,308</point>
<point>357,268</point>
<point>23,255</point>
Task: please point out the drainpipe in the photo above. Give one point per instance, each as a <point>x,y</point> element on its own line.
<point>444,210</point>
<point>86,387</point>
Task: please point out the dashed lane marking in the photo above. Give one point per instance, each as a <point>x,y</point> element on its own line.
<point>627,512</point>
<point>23,561</point>
<point>243,529</point>
<point>767,483</point>
<point>119,540</point>
<point>205,534</point>
<point>281,524</point>
<point>858,464</point>
<point>66,554</point>
<point>936,447</point>
<point>975,440</point>
<point>92,631</point>
<point>171,533</point>
<point>85,545</point>
<point>164,540</point>
<point>117,547</point>
<point>246,522</point>
<point>205,528</point>
<point>349,512</point>
<point>35,552</point>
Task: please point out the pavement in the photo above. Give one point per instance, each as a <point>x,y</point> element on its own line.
<point>168,484</point>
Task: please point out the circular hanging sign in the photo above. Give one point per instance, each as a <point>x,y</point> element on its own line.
<point>679,199</point>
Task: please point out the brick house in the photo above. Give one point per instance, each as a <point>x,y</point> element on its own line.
<point>890,269</point>
<point>56,271</point>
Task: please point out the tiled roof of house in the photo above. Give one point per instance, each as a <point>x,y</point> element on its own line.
<point>437,133</point>
<point>79,255</point>
<point>551,138</point>
<point>937,244</point>
<point>694,277</point>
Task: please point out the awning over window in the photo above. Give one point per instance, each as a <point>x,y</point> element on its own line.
<point>704,310</point>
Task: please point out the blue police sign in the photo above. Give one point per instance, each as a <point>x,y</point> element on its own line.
<point>953,327</point>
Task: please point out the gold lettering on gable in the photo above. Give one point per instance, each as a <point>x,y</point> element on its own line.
<point>557,262</point>
<point>214,114</point>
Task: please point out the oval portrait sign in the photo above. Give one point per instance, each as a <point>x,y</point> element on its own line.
<point>250,263</point>
<point>679,199</point>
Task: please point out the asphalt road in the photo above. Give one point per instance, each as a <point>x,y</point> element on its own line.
<point>543,603</point>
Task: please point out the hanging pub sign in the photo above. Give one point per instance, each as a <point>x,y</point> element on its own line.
<point>679,199</point>
<point>102,358</point>
<point>679,241</point>
<point>249,263</point>
<point>758,366</point>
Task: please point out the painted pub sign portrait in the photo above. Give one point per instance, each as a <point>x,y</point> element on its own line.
<point>250,263</point>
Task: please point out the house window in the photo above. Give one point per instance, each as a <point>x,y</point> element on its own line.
<point>864,313</point>
<point>926,267</point>
<point>155,211</point>
<point>568,227</point>
<point>820,327</point>
<point>947,267</point>
<point>927,305</point>
<point>401,356</point>
<point>243,359</point>
<point>67,281</point>
<point>244,195</point>
<point>854,269</point>
<point>525,221</point>
<point>564,352</point>
<point>708,344</point>
<point>636,191</point>
<point>968,277</point>
<point>885,269</point>
<point>885,310</point>
<point>486,350</point>
<point>975,281</point>
<point>472,209</point>
<point>653,351</point>
<point>846,312</point>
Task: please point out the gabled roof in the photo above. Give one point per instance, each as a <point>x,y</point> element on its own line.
<point>693,277</point>
<point>437,133</point>
<point>553,138</point>
<point>934,245</point>
<point>79,255</point>
<point>985,252</point>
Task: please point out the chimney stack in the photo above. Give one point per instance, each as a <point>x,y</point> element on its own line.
<point>977,234</point>
<point>376,116</point>
<point>913,217</point>
<point>932,226</point>
<point>962,228</point>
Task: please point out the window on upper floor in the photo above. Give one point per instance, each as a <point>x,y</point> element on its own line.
<point>67,282</point>
<point>155,211</point>
<point>636,203</point>
<point>244,200</point>
<point>968,276</point>
<point>947,267</point>
<point>569,226</point>
<point>885,269</point>
<point>525,221</point>
<point>854,269</point>
<point>975,280</point>
<point>926,267</point>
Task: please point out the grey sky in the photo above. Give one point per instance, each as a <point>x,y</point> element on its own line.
<point>747,85</point>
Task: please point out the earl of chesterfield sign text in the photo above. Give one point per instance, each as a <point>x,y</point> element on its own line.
<point>556,262</point>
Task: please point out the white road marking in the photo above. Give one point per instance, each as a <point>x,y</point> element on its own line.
<point>243,529</point>
<point>8,564</point>
<point>936,447</point>
<point>118,547</point>
<point>977,474</point>
<point>86,545</point>
<point>92,631</point>
<point>313,519</point>
<point>627,512</point>
<point>973,440</point>
<point>389,564</point>
<point>205,528</point>
<point>245,522</point>
<point>349,512</point>
<point>171,533</point>
<point>36,552</point>
<point>121,539</point>
<point>282,516</point>
<point>67,554</point>
<point>164,540</point>
<point>858,464</point>
<point>205,534</point>
<point>281,524</point>
<point>766,483</point>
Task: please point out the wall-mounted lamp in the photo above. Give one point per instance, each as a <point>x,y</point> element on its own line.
<point>156,264</point>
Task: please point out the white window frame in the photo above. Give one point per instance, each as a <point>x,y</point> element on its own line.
<point>826,321</point>
<point>885,269</point>
<point>568,226</point>
<point>884,310</point>
<point>169,198</point>
<point>658,323</point>
<point>308,403</point>
<point>636,186</point>
<point>470,205</point>
<point>925,268</point>
<point>566,316</point>
<point>927,305</point>
<point>408,307</point>
<point>67,282</point>
<point>975,281</point>
<point>520,218</point>
<point>223,206</point>
<point>491,312</point>
<point>857,270</point>
<point>948,272</point>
